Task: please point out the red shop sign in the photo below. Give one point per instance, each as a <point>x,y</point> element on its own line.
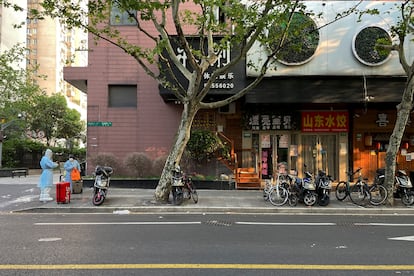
<point>325,121</point>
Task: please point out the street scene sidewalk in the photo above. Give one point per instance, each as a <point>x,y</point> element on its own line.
<point>134,200</point>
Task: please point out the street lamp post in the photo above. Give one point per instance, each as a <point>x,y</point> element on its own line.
<point>2,128</point>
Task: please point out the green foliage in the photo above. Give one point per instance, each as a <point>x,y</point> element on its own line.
<point>17,91</point>
<point>203,145</point>
<point>51,115</point>
<point>18,152</point>
<point>70,126</point>
<point>21,152</point>
<point>79,153</point>
<point>300,41</point>
<point>372,45</point>
<point>138,164</point>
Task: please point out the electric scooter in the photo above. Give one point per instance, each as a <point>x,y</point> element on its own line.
<point>101,184</point>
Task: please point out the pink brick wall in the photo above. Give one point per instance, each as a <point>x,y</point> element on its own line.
<point>151,127</point>
<point>148,128</point>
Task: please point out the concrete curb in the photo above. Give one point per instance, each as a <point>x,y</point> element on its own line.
<point>236,210</point>
<point>138,200</point>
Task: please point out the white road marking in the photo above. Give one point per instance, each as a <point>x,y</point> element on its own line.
<point>406,238</point>
<point>49,239</point>
<point>384,224</point>
<point>121,223</point>
<point>287,223</point>
<point>237,222</point>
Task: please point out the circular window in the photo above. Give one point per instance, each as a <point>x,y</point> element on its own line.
<point>366,46</point>
<point>302,40</point>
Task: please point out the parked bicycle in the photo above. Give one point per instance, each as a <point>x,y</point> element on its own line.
<point>182,187</point>
<point>282,192</point>
<point>267,188</point>
<point>379,193</point>
<point>358,192</point>
<point>189,188</point>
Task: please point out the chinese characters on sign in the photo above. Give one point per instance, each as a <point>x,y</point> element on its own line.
<point>325,121</point>
<point>223,81</point>
<point>382,120</point>
<point>270,122</point>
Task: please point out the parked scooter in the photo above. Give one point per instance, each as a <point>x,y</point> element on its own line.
<point>403,188</point>
<point>101,184</point>
<point>306,190</point>
<point>323,183</point>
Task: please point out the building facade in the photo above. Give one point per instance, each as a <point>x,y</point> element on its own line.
<point>50,47</point>
<point>331,108</point>
<point>10,36</point>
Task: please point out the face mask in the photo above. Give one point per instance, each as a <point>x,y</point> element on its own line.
<point>71,159</point>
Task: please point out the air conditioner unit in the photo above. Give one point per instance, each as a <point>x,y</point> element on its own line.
<point>228,109</point>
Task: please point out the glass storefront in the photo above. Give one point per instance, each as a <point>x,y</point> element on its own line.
<point>320,152</point>
<point>264,150</point>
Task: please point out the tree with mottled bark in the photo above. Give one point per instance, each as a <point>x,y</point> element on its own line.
<point>401,30</point>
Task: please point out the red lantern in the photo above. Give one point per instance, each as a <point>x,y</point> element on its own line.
<point>378,146</point>
<point>406,145</point>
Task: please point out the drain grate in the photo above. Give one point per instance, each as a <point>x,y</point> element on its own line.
<point>219,223</point>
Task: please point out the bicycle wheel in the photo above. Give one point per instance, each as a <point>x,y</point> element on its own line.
<point>341,190</point>
<point>278,196</point>
<point>186,193</point>
<point>378,194</point>
<point>359,194</point>
<point>266,191</point>
<point>193,192</point>
<point>292,200</point>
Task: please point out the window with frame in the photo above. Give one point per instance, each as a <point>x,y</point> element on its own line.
<point>122,96</point>
<point>120,17</point>
<point>301,43</point>
<point>367,46</point>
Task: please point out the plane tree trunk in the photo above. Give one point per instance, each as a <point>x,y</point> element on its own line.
<point>163,188</point>
<point>403,114</point>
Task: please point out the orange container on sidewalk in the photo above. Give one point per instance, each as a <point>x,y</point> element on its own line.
<point>63,192</point>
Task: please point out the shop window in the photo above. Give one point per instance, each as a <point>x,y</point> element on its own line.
<point>205,119</point>
<point>301,41</point>
<point>366,46</point>
<point>122,96</point>
<point>120,17</point>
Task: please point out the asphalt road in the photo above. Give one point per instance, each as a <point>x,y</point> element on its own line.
<point>211,244</point>
<point>15,196</point>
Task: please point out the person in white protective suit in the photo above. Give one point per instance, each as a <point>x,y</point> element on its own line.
<point>46,178</point>
<point>69,165</point>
